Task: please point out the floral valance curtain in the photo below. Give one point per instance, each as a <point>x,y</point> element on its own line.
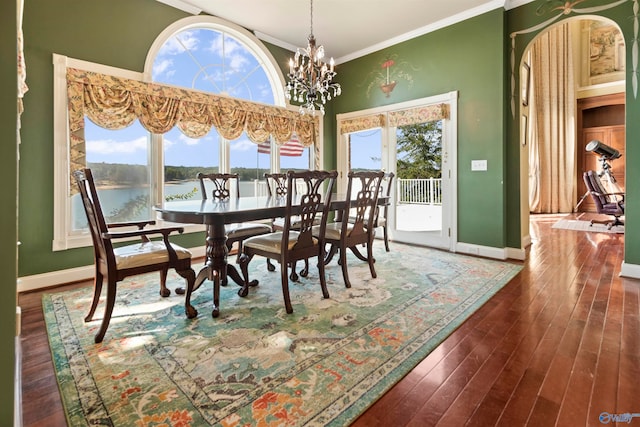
<point>425,114</point>
<point>114,103</point>
<point>362,123</point>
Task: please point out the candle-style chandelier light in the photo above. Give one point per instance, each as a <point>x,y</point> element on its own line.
<point>310,79</point>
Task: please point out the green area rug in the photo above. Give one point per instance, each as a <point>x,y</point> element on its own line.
<point>255,365</point>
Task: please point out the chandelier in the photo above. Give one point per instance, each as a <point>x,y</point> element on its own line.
<point>310,79</point>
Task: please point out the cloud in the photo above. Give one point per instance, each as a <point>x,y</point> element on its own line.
<point>110,146</point>
<point>161,66</point>
<point>235,53</point>
<point>242,145</point>
<point>188,141</point>
<point>186,40</point>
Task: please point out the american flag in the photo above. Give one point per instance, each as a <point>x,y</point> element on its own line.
<point>291,148</point>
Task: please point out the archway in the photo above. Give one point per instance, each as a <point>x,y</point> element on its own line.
<point>597,112</point>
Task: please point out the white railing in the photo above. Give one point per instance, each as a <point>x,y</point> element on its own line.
<point>420,191</point>
<point>260,188</point>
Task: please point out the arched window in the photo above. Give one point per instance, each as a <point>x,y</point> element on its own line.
<point>211,55</point>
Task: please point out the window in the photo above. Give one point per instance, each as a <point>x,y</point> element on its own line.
<point>136,169</point>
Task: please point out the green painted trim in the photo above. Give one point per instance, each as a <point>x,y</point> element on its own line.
<point>8,208</point>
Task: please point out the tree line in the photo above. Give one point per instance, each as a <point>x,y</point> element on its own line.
<point>131,175</point>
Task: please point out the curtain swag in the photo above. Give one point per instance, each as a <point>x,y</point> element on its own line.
<point>362,123</point>
<point>114,103</point>
<point>412,116</point>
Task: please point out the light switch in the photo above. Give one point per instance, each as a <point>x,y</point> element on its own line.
<point>478,165</point>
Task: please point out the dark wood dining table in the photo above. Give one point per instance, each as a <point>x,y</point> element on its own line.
<point>215,215</point>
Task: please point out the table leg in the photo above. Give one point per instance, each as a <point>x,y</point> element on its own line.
<point>215,267</point>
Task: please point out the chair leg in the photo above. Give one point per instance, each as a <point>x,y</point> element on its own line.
<point>343,264</point>
<point>321,273</point>
<point>294,276</point>
<point>285,287</point>
<point>332,251</point>
<point>386,238</point>
<point>164,291</point>
<point>190,276</point>
<point>216,293</point>
<point>270,265</point>
<point>108,310</point>
<point>244,267</point>
<point>305,271</point>
<point>370,258</point>
<point>97,290</point>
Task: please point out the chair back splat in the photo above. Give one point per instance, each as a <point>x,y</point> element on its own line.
<point>297,240</point>
<point>221,183</point>
<point>276,184</point>
<point>115,264</point>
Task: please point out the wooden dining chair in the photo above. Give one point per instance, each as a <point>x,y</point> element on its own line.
<point>277,187</point>
<point>382,210</point>
<point>114,264</point>
<point>290,245</point>
<point>222,186</point>
<point>363,189</point>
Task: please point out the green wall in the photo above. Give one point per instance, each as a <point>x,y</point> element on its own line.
<point>8,228</point>
<point>467,57</point>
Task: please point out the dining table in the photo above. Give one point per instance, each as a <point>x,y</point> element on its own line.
<point>215,214</point>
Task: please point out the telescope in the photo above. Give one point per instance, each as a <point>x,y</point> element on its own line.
<point>603,150</point>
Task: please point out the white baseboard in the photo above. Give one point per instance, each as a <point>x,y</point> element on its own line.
<point>60,277</point>
<point>490,252</point>
<point>630,270</point>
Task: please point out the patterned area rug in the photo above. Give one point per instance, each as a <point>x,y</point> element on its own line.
<point>255,365</point>
<point>581,225</point>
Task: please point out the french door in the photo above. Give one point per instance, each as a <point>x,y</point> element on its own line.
<point>423,210</point>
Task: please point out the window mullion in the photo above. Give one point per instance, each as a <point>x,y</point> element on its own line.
<point>156,168</point>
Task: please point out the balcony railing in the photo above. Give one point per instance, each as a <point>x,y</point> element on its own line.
<point>420,191</point>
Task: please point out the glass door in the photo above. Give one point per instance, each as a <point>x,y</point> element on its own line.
<point>420,206</point>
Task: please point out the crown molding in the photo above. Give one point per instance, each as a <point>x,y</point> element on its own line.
<point>184,6</point>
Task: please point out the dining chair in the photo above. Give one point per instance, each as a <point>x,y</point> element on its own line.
<point>382,210</point>
<point>114,264</point>
<point>277,187</point>
<point>222,186</point>
<point>290,245</point>
<point>363,189</point>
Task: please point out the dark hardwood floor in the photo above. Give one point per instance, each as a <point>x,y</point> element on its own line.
<point>559,345</point>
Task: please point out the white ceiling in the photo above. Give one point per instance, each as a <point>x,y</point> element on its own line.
<point>347,29</point>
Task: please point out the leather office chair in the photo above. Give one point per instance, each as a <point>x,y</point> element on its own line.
<point>116,263</point>
<point>606,203</point>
